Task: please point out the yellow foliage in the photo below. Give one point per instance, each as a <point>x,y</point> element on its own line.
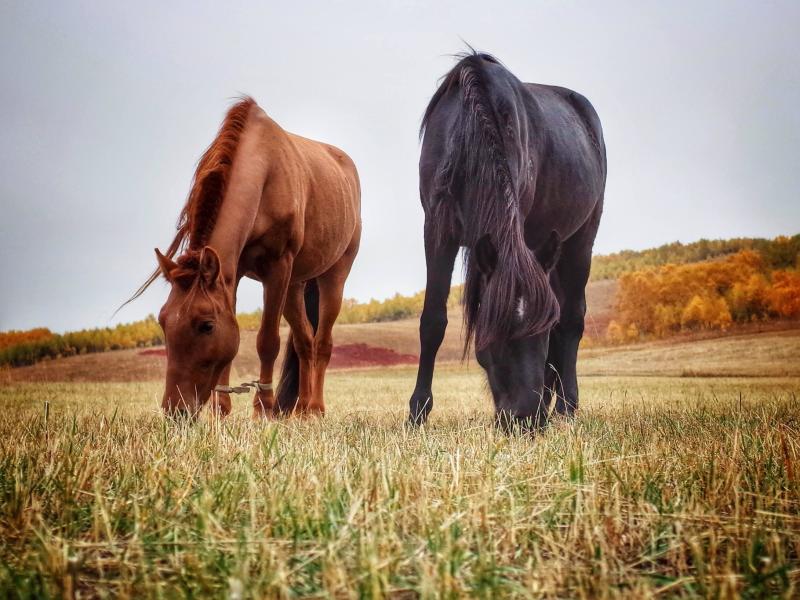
<point>706,313</point>
<point>705,295</point>
<point>375,311</point>
<point>614,333</point>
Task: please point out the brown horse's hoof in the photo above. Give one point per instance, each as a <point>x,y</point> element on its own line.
<point>264,405</point>
<point>308,411</point>
<point>221,405</point>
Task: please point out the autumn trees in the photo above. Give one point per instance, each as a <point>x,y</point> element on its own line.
<point>19,348</point>
<point>778,253</point>
<point>706,295</point>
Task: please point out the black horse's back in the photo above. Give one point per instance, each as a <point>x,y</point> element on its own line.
<point>515,173</point>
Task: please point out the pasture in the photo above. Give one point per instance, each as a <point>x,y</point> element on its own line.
<point>663,486</point>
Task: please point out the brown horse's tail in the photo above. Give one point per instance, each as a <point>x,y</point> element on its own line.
<point>289,384</point>
<point>485,169</point>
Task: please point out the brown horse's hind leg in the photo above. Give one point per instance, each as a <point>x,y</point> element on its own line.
<point>330,303</point>
<point>331,288</point>
<point>303,340</point>
<point>268,341</point>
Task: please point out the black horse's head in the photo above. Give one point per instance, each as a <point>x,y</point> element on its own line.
<point>516,365</point>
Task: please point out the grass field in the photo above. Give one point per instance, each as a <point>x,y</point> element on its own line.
<point>661,487</point>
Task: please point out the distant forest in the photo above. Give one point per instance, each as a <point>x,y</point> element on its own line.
<point>780,253</point>
<point>675,287</point>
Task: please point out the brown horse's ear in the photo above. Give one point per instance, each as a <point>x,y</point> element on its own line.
<point>549,252</point>
<point>209,266</point>
<point>485,255</point>
<point>167,265</point>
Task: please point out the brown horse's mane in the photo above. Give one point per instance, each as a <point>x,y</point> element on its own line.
<point>199,214</point>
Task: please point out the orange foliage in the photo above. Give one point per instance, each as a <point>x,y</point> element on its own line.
<point>27,347</point>
<point>12,338</point>
<point>705,295</point>
<point>784,295</point>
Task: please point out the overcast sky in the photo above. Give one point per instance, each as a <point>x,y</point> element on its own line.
<point>106,108</point>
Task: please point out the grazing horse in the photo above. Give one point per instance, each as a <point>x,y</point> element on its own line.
<point>515,173</point>
<point>278,208</point>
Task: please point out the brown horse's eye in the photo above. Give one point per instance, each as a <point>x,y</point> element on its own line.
<point>206,327</point>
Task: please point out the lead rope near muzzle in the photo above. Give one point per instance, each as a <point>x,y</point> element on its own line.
<point>243,388</point>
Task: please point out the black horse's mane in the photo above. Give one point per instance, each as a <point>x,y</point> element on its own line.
<point>476,200</point>
<point>449,79</point>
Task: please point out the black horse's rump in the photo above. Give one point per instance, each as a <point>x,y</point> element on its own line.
<point>514,173</point>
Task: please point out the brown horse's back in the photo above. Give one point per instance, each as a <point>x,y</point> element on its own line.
<point>311,203</point>
<point>334,199</point>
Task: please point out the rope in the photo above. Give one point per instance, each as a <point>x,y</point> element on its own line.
<point>244,387</point>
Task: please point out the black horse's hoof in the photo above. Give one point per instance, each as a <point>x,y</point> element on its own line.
<point>566,407</point>
<point>420,407</point>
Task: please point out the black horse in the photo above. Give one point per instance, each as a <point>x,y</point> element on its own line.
<point>515,173</point>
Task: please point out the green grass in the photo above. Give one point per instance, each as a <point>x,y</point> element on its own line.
<point>674,487</point>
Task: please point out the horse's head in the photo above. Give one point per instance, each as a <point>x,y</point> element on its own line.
<point>200,328</point>
<point>515,367</point>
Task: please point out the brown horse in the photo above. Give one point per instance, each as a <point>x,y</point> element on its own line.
<point>278,208</point>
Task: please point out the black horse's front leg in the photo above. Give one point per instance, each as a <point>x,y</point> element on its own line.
<point>432,324</point>
<point>572,275</point>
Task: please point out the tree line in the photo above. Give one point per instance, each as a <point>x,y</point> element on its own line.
<point>396,308</point>
<point>708,284</point>
<point>18,348</point>
<point>778,253</point>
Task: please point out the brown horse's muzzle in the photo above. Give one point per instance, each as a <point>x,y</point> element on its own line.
<point>183,400</point>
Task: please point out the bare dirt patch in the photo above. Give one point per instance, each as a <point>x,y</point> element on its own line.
<point>153,352</point>
<point>349,356</point>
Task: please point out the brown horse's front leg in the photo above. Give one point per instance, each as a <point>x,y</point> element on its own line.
<point>268,342</point>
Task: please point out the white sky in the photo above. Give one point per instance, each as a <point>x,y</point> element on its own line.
<point>106,108</point>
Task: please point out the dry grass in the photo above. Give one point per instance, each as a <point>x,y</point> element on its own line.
<point>662,487</point>
<point>769,354</point>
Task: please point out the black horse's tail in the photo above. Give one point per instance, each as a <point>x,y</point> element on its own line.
<point>486,146</point>
<point>289,385</point>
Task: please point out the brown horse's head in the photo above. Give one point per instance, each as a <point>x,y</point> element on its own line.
<point>200,328</point>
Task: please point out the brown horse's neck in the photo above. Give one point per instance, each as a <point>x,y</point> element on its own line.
<point>242,199</point>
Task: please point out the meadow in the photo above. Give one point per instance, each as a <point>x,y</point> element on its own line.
<point>661,487</point>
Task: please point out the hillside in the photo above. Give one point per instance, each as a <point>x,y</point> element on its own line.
<point>634,296</point>
<point>773,349</point>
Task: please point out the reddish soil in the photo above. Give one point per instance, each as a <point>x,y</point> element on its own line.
<point>153,352</point>
<point>347,356</point>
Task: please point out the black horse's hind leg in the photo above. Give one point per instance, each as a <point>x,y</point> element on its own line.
<point>439,259</point>
<point>572,273</point>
